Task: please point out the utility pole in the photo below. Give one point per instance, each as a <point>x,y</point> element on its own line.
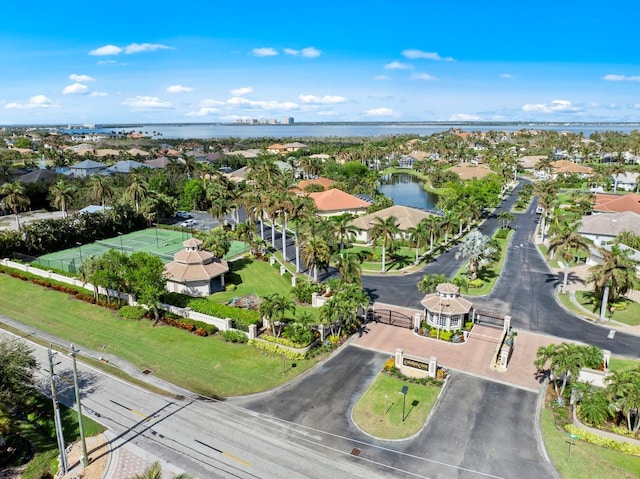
<point>85,456</point>
<point>56,415</point>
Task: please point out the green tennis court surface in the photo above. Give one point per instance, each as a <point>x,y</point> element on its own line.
<point>159,242</point>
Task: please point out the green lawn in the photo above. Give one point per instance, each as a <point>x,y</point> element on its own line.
<point>490,274</point>
<point>620,364</point>
<point>587,460</point>
<point>399,259</point>
<point>630,315</point>
<point>208,366</point>
<point>379,410</point>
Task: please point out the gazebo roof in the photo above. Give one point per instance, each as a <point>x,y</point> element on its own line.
<point>447,306</point>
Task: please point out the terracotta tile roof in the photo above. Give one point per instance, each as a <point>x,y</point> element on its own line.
<point>194,264</point>
<point>407,217</point>
<point>337,200</point>
<point>467,171</point>
<point>527,162</point>
<point>432,302</point>
<point>566,166</point>
<point>605,202</point>
<point>326,183</point>
<point>610,224</point>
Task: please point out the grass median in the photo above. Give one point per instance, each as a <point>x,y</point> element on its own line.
<point>207,366</point>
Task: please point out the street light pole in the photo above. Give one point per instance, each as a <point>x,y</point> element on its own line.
<point>85,456</point>
<point>403,391</point>
<point>56,416</point>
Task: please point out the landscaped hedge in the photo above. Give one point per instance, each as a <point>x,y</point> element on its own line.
<point>612,444</point>
<point>274,348</point>
<point>283,341</point>
<point>132,312</point>
<point>234,336</point>
<point>241,317</point>
<point>198,327</point>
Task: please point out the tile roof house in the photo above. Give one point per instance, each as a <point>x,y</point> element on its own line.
<point>87,168</point>
<point>194,271</point>
<point>326,183</point>
<point>336,202</point>
<point>126,166</point>
<point>277,149</point>
<point>612,203</point>
<point>468,171</point>
<point>602,229</point>
<point>38,175</point>
<point>529,162</point>
<point>161,162</point>
<point>407,218</point>
<point>295,146</point>
<point>446,309</point>
<point>566,167</point>
<point>138,152</point>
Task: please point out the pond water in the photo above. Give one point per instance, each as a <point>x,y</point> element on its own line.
<point>407,190</point>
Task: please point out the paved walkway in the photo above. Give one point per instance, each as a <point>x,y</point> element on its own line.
<point>475,356</point>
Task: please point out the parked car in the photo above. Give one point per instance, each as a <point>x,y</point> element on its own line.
<point>188,223</point>
<point>183,214</point>
<point>539,210</point>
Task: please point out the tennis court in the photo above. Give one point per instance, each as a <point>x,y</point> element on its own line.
<point>162,243</point>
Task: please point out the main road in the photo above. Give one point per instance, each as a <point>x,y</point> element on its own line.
<point>525,289</point>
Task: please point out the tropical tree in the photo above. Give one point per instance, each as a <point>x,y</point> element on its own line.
<point>623,391</point>
<point>433,224</point>
<point>274,307</point>
<point>429,282</point>
<point>343,231</point>
<point>136,192</point>
<point>568,243</point>
<point>14,198</point>
<point>100,189</point>
<point>546,192</point>
<point>315,252</point>
<point>17,372</point>
<point>594,405</point>
<point>384,230</point>
<point>418,237</point>
<point>301,210</point>
<point>614,277</point>
<point>476,248</point>
<point>62,194</point>
<point>349,268</point>
<point>145,279</point>
<point>506,217</point>
<point>155,472</point>
<point>217,241</point>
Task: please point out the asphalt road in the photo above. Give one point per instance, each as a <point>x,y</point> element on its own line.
<point>479,428</point>
<point>525,290</point>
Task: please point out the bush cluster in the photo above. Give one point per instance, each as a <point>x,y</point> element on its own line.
<point>283,341</point>
<point>274,348</point>
<point>198,327</point>
<point>304,290</point>
<point>242,318</point>
<point>395,372</point>
<point>612,444</point>
<point>131,312</point>
<point>232,336</point>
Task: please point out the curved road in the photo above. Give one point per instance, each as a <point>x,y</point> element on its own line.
<point>525,290</point>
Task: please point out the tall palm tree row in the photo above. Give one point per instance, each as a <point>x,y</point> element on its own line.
<point>384,230</point>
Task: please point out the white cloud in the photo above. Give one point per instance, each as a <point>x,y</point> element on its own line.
<point>131,48</point>
<point>145,47</point>
<point>381,77</point>
<point>322,99</point>
<point>620,78</point>
<point>379,112</point>
<point>464,117</point>
<point>327,113</point>
<point>291,51</point>
<point>398,66</point>
<point>38,101</point>
<point>147,103</point>
<point>506,75</point>
<point>265,52</point>
<point>263,104</point>
<point>310,52</point>
<point>241,91</point>
<point>204,111</point>
<point>106,50</point>
<point>422,76</point>
<point>210,103</point>
<point>556,106</point>
<point>81,78</point>
<point>75,89</point>
<point>98,93</point>
<point>421,55</point>
<point>178,89</point>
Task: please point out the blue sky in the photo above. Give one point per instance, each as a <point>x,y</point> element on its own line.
<point>377,60</point>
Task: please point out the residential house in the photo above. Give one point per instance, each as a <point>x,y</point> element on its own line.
<point>302,185</point>
<point>602,229</point>
<point>277,149</point>
<point>335,202</point>
<point>613,203</point>
<point>468,171</point>
<point>566,167</point>
<point>35,176</point>
<point>126,167</point>
<point>528,163</point>
<point>406,216</point>
<point>626,180</point>
<point>161,162</point>
<point>87,168</point>
<point>295,146</point>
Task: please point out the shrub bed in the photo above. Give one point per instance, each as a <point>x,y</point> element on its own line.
<point>612,444</point>
<point>131,312</point>
<point>242,318</point>
<point>283,341</point>
<point>274,348</point>
<point>198,327</point>
<point>234,336</point>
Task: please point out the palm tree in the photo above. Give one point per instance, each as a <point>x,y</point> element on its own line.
<point>567,243</point>
<point>623,391</point>
<point>594,406</point>
<point>315,252</point>
<point>155,472</point>
<point>476,248</point>
<point>429,282</point>
<point>101,189</point>
<point>301,209</point>
<point>61,195</point>
<point>349,268</point>
<point>274,307</point>
<point>506,217</point>
<point>342,229</point>
<point>14,198</point>
<point>433,224</point>
<point>136,192</point>
<point>564,359</point>
<point>418,237</point>
<point>614,277</point>
<point>546,191</point>
<point>385,230</point>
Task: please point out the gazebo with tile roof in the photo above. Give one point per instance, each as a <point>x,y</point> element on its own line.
<point>194,271</point>
<point>445,309</point>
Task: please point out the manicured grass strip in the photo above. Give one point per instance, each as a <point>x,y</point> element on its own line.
<point>379,410</point>
<point>207,366</point>
<point>620,364</point>
<point>565,300</point>
<point>587,460</point>
<point>630,315</point>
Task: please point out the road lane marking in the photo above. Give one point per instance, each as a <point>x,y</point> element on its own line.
<point>612,333</point>
<point>147,418</point>
<point>231,456</point>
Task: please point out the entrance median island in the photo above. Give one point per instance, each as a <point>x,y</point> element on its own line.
<point>385,412</point>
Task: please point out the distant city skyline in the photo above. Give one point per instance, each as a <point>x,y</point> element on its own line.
<point>374,60</point>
